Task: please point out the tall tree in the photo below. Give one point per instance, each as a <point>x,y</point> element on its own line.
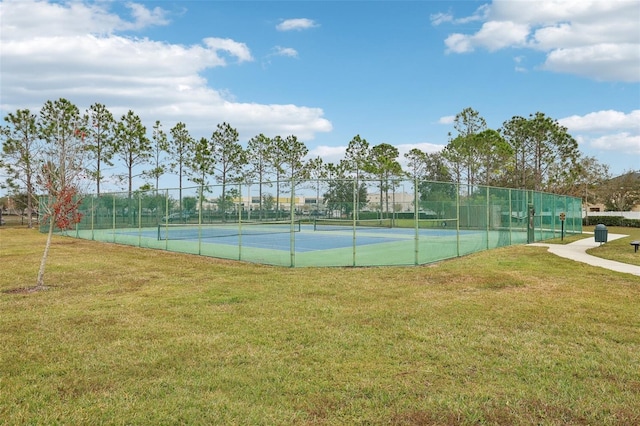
<point>294,166</point>
<point>384,165</point>
<point>494,155</point>
<point>181,153</point>
<point>436,188</point>
<point>160,146</point>
<point>417,164</point>
<point>294,152</point>
<point>100,141</point>
<point>356,159</point>
<point>258,162</point>
<point>553,145</point>
<point>340,194</point>
<point>276,160</point>
<point>20,154</point>
<point>469,122</point>
<point>542,143</point>
<point>436,168</point>
<point>516,134</point>
<point>62,130</point>
<point>462,151</point>
<point>198,167</point>
<point>132,145</point>
<point>317,172</point>
<point>577,179</point>
<point>230,158</point>
<point>335,173</point>
<point>357,155</point>
<point>592,176</point>
<point>455,158</point>
<point>623,192</point>
<point>201,163</point>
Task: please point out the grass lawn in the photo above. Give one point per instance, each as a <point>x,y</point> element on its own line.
<point>132,336</point>
<point>619,250</point>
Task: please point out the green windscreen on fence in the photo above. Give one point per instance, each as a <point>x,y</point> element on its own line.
<point>328,222</point>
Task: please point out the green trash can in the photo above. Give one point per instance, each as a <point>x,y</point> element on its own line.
<point>601,233</point>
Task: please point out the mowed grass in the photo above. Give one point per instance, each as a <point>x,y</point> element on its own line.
<point>620,249</point>
<point>133,336</point>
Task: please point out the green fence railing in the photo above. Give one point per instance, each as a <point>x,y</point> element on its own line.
<point>329,222</point>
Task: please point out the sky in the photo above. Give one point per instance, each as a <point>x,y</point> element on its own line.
<point>392,72</point>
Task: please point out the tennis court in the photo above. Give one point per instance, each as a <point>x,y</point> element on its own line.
<point>418,223</point>
<point>308,245</point>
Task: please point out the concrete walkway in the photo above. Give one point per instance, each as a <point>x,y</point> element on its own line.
<point>577,251</point>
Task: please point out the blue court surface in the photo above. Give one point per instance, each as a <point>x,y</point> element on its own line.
<point>306,239</point>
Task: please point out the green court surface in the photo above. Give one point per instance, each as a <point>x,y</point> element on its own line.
<point>417,223</point>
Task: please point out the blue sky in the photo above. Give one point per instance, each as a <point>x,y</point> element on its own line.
<point>391,71</point>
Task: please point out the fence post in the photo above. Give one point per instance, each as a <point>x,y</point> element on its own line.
<point>353,214</point>
<point>113,217</point>
<point>457,219</point>
<point>416,217</point>
<point>488,219</point>
<point>292,214</point>
<point>166,212</point>
<point>510,218</point>
<point>140,219</point>
<point>200,196</point>
<point>93,213</point>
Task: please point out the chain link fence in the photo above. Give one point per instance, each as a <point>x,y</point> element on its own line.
<point>337,222</point>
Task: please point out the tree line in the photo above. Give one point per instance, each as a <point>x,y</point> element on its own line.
<point>534,152</point>
<point>54,153</point>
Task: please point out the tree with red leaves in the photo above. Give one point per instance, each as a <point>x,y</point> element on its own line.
<point>62,130</point>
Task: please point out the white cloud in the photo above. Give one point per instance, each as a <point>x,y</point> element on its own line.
<point>333,154</point>
<point>329,154</point>
<point>440,18</point>
<point>429,148</point>
<point>619,62</point>
<point>602,121</point>
<point>479,15</point>
<point>72,50</point>
<point>493,35</point>
<point>285,51</point>
<point>239,50</point>
<point>31,18</point>
<point>145,17</point>
<point>403,149</point>
<point>519,60</point>
<point>621,143</point>
<point>449,119</point>
<point>622,131</point>
<point>459,43</point>
<point>598,39</point>
<point>274,119</point>
<point>297,24</point>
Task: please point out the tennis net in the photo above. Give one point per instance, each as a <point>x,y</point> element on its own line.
<point>189,231</point>
<point>437,223</point>
<point>345,224</point>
